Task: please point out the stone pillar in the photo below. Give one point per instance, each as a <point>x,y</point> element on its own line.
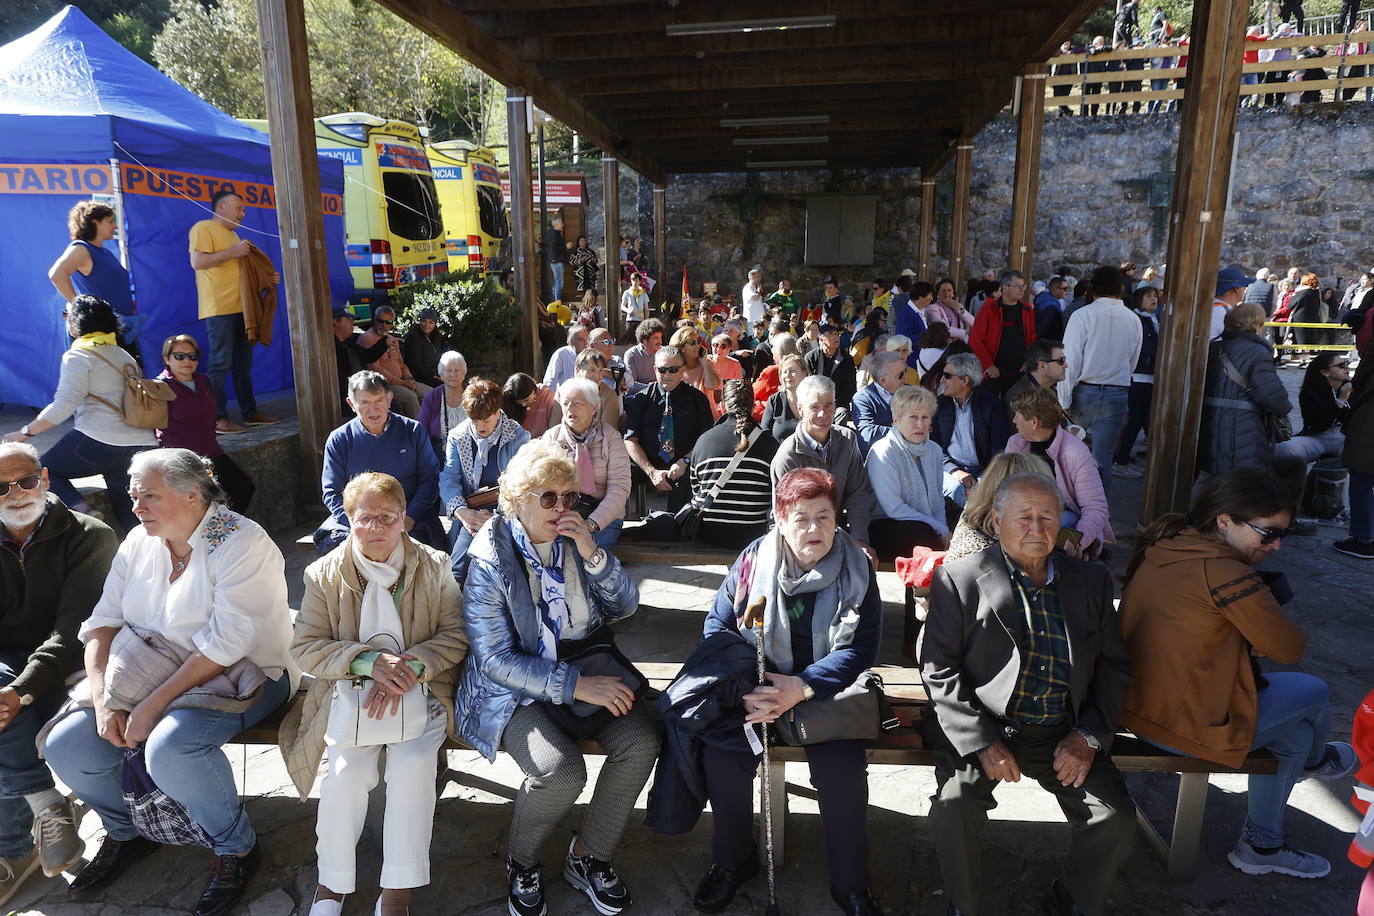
<point>1205,140</point>
<point>958,218</point>
<point>300,218</point>
<point>610,202</point>
<point>1026,173</point>
<point>528,356</point>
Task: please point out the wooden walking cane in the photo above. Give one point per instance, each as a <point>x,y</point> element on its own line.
<point>753,618</point>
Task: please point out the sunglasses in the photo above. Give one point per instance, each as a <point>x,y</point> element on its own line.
<point>722,346</point>
<point>668,370</point>
<point>1063,360</point>
<point>1268,535</point>
<point>385,321</point>
<point>948,375</point>
<point>549,499</point>
<point>24,483</point>
<point>181,357</point>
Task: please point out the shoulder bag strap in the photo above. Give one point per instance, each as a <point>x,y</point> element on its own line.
<point>724,478</point>
<point>129,372</point>
<point>1232,372</point>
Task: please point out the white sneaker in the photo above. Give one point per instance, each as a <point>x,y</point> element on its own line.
<point>1127,470</point>
<point>326,908</point>
<point>1284,861</point>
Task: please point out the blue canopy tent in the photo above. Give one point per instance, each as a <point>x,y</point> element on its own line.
<point>82,117</point>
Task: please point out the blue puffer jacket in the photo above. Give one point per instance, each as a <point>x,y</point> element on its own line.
<point>503,666</point>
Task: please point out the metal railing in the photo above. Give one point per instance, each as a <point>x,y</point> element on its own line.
<point>1160,82</point>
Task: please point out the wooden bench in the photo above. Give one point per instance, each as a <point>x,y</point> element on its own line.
<point>903,746</point>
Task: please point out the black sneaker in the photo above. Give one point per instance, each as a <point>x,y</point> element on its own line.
<point>595,878</point>
<point>526,896</point>
<point>229,877</point>
<point>110,861</point>
<point>1354,547</point>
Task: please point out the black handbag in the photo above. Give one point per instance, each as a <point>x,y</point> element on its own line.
<point>596,655</point>
<point>858,712</point>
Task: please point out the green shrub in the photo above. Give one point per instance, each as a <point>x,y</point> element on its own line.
<point>476,314</point>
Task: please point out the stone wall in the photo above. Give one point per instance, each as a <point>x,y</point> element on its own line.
<point>1301,189</point>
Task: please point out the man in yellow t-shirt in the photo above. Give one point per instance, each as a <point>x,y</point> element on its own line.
<point>216,255</point>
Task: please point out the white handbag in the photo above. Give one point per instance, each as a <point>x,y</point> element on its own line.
<point>351,726</point>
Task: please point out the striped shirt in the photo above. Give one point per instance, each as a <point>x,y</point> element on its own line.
<point>1041,696</point>
<point>747,496</point>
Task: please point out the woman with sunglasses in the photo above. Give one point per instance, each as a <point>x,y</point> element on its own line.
<point>191,418</point>
<point>1196,615</point>
<point>537,602</point>
<point>1324,399</point>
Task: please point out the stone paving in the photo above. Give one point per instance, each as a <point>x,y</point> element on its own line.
<point>1024,841</point>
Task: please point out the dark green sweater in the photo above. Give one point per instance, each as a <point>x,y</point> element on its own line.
<point>48,590</point>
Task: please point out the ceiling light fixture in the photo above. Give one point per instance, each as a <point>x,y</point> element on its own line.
<point>779,141</point>
<point>745,26</point>
<point>775,121</point>
<point>787,164</point>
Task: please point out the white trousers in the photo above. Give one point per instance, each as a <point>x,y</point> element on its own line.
<point>351,773</point>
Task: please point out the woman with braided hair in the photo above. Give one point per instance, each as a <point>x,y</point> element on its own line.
<point>737,513</point>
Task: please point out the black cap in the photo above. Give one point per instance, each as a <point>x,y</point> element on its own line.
<point>341,311</point>
<point>829,328</point>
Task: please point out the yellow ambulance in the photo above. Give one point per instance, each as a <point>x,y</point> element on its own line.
<point>469,186</point>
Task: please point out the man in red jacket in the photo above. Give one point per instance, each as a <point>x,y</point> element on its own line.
<point>1003,330</point>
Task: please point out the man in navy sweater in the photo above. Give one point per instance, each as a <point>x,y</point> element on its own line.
<point>379,440</point>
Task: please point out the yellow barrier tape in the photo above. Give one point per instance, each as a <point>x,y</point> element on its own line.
<point>1307,324</point>
<point>1340,348</point>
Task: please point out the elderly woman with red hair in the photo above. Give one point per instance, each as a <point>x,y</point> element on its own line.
<point>822,623</point>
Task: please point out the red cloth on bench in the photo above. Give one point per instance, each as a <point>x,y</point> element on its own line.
<point>917,570</point>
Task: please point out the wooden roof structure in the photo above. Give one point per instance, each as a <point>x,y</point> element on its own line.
<point>845,84</point>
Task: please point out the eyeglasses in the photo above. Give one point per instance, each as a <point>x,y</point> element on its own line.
<point>548,499</point>
<point>948,375</point>
<point>724,345</point>
<point>1268,535</point>
<point>385,520</point>
<point>24,483</point>
<point>181,357</point>
<point>1063,360</point>
<point>668,370</point>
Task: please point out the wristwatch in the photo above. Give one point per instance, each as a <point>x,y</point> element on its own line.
<point>1087,736</point>
<point>808,692</point>
<point>593,526</point>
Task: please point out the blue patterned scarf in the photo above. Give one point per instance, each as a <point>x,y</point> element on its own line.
<point>554,617</point>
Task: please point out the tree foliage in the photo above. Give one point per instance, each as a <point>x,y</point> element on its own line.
<point>362,58</point>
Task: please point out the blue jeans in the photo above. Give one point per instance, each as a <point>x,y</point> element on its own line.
<point>184,758</point>
<point>607,537</point>
<point>21,772</point>
<point>1360,494</point>
<point>1101,410</point>
<point>1292,723</point>
<point>78,455</point>
<point>557,271</point>
<point>230,354</point>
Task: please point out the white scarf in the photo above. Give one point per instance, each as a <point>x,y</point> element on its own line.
<point>378,614</point>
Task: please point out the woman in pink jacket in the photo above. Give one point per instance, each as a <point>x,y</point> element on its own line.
<point>1037,416</point>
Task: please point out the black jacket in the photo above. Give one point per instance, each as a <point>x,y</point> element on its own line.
<point>700,708</point>
<point>1149,346</point>
<point>990,427</point>
<point>838,368</point>
<point>691,417</point>
<point>48,589</point>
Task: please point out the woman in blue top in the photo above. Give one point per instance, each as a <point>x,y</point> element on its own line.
<point>827,635</point>
<point>87,268</point>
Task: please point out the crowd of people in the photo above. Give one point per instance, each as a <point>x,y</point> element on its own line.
<point>1320,60</point>
<point>467,583</point>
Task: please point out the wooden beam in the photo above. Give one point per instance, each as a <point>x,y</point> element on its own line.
<point>1206,137</point>
<point>528,355</point>
<point>461,35</point>
<point>958,232</point>
<point>1026,172</point>
<point>300,219</point>
<point>723,80</point>
<point>610,211</point>
<point>927,234</point>
<point>661,241</point>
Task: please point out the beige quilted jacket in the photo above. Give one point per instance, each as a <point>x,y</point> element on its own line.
<point>326,642</point>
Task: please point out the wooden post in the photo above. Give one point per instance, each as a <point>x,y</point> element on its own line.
<point>522,230</point>
<point>300,219</point>
<point>923,241</point>
<point>958,232</point>
<point>661,242</point>
<point>1026,175</point>
<point>610,202</point>
<point>1205,139</point>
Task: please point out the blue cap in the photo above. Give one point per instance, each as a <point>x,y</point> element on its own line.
<point>1229,278</point>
